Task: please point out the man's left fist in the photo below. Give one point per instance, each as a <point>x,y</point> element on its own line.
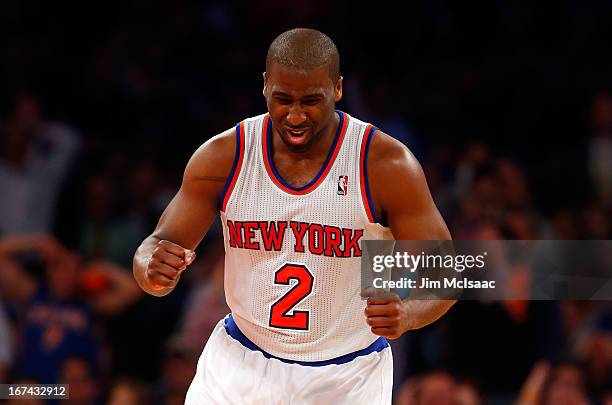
<point>386,315</point>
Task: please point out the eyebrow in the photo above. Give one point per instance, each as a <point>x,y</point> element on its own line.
<point>307,96</point>
<point>280,94</point>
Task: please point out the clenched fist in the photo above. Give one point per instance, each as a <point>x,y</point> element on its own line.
<point>386,315</point>
<point>166,264</point>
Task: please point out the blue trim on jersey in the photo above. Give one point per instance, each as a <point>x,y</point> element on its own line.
<point>329,155</point>
<point>370,135</point>
<point>232,329</point>
<point>234,165</point>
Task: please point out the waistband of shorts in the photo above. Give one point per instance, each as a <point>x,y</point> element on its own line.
<point>232,329</point>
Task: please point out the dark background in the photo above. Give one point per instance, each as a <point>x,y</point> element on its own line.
<point>506,104</point>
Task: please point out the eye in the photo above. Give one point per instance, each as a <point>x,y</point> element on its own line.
<point>283,100</point>
<point>312,101</point>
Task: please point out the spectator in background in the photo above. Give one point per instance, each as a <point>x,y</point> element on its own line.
<point>197,325</point>
<point>127,391</point>
<point>6,345</point>
<point>512,183</point>
<point>562,226</point>
<point>437,388</point>
<point>108,233</point>
<point>56,316</point>
<point>81,377</point>
<point>105,235</point>
<point>35,156</point>
<point>591,342</point>
<point>474,158</point>
<point>563,384</point>
<point>595,223</point>
<point>600,147</point>
<point>178,367</point>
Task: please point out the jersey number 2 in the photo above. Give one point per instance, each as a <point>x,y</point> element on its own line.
<point>279,312</point>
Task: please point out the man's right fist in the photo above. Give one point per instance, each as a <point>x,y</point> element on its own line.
<point>167,263</point>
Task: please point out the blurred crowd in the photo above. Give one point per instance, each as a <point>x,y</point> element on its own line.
<point>509,110</point>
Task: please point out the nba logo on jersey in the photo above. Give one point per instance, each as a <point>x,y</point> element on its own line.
<point>342,185</point>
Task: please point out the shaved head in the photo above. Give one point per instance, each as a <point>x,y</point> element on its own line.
<point>304,49</point>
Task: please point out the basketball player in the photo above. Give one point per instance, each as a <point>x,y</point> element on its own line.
<point>297,189</point>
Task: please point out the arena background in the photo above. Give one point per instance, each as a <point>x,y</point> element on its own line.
<point>506,104</point>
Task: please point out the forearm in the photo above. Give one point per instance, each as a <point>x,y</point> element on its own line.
<point>13,245</point>
<point>142,257</point>
<point>424,312</point>
<point>15,283</point>
<point>122,291</point>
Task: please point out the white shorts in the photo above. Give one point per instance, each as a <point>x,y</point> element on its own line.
<point>230,373</point>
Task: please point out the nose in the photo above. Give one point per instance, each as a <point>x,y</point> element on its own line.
<point>296,116</point>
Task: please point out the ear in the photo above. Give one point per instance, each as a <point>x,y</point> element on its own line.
<point>265,87</point>
<point>338,89</point>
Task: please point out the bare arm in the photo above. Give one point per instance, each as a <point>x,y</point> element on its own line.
<point>122,292</point>
<point>15,283</point>
<point>412,215</point>
<point>162,257</point>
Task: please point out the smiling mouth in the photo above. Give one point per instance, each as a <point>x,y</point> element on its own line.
<point>297,133</point>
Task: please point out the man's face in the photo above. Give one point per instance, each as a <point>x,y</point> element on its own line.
<point>301,103</point>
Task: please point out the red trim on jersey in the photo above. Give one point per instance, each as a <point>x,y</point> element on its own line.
<point>322,173</point>
<point>362,172</point>
<point>240,157</point>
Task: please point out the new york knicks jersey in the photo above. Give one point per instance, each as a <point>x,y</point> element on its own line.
<point>293,254</point>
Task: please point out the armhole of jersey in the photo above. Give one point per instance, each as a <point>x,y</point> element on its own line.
<point>363,173</point>
<point>233,175</point>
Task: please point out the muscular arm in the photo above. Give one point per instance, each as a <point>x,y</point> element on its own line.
<point>412,215</point>
<point>162,256</point>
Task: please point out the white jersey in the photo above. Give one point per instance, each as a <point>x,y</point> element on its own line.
<point>293,255</point>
